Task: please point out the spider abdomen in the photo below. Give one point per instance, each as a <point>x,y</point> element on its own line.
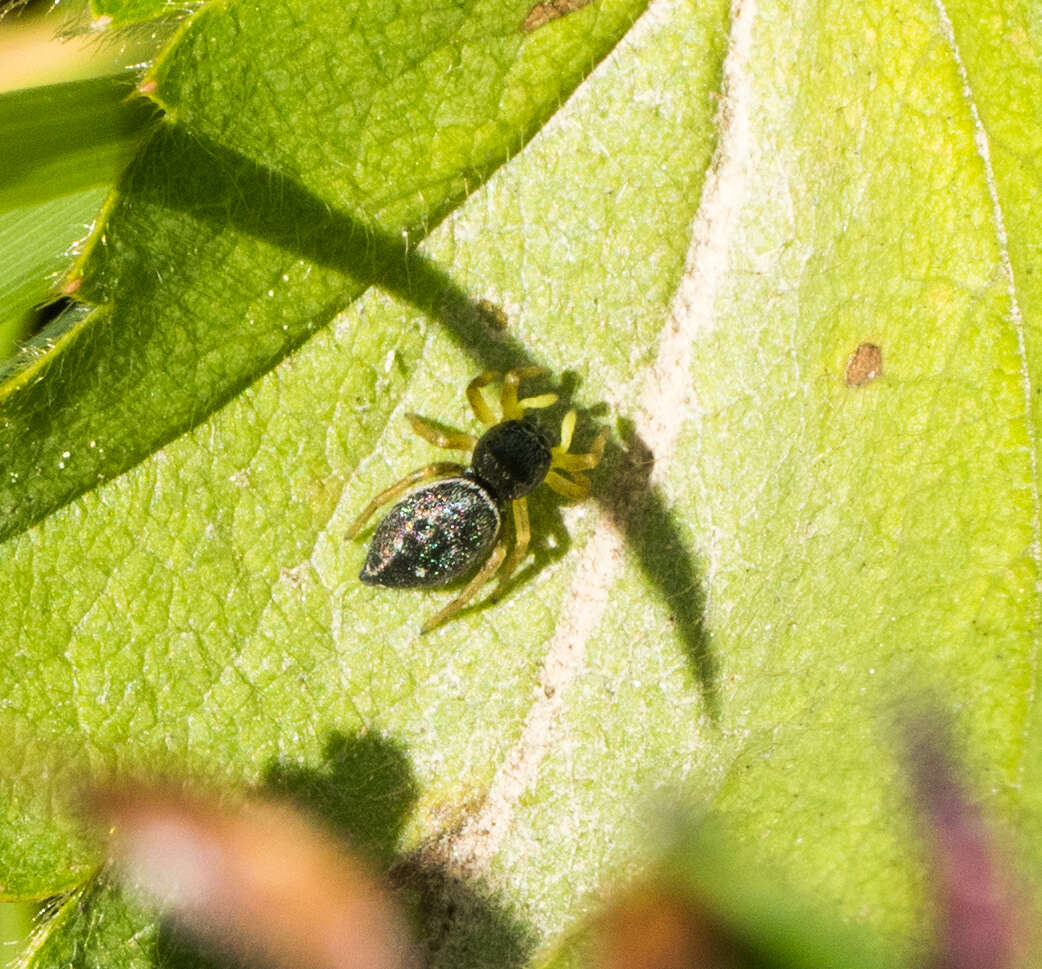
<point>436,534</point>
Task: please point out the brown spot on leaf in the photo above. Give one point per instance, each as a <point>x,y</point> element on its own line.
<point>543,13</point>
<point>864,365</point>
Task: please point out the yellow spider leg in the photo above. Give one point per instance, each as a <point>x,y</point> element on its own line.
<point>478,404</point>
<point>513,410</point>
<point>576,490</point>
<point>542,400</point>
<point>522,533</point>
<point>469,591</point>
<point>441,469</point>
<point>450,440</point>
<point>567,430</point>
<point>575,462</point>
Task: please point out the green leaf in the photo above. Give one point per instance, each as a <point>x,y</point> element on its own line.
<point>267,202</point>
<point>67,138</point>
<point>65,145</point>
<point>72,929</point>
<point>16,926</point>
<point>34,248</point>
<point>702,235</point>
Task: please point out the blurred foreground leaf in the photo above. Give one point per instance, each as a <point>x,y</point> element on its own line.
<point>67,138</point>
<point>63,146</point>
<point>706,905</point>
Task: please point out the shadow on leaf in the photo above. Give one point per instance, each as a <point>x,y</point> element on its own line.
<point>363,793</point>
<point>668,563</point>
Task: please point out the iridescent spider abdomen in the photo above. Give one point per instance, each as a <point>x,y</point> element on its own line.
<point>436,534</point>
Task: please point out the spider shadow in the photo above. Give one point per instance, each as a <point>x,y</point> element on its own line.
<point>641,512</point>
<point>550,542</point>
<point>363,792</point>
